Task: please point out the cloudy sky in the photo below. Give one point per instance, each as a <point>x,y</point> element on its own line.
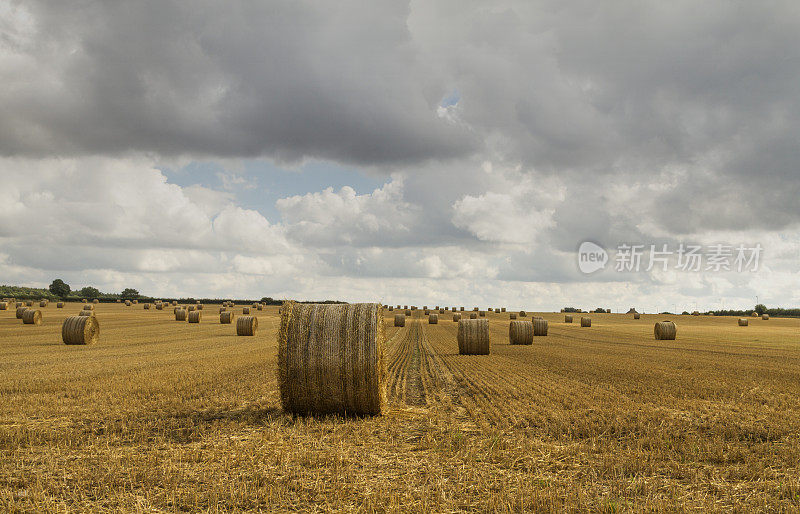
<point>422,152</point>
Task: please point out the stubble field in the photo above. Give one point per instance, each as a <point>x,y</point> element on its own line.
<point>168,416</point>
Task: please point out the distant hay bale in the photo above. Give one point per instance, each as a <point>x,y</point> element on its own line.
<point>119,301</point>
<point>3,306</point>
<point>567,318</point>
<point>490,309</point>
<point>226,317</point>
<point>88,307</point>
<point>665,330</point>
<point>43,304</point>
<point>482,314</point>
<point>85,313</point>
<point>743,322</point>
<point>765,316</point>
<point>83,300</point>
<point>523,314</point>
<point>245,310</point>
<point>146,306</point>
<point>512,315</point>
<point>19,304</point>
<point>260,307</point>
<point>636,315</point>
<point>195,316</point>
<point>127,303</point>
<point>539,327</point>
<point>60,305</point>
<point>442,311</point>
<point>425,307</point>
<point>399,320</point>
<point>190,308</point>
<point>391,308</point>
<point>246,325</point>
<point>32,317</point>
<point>475,309</point>
<point>754,314</point>
<point>174,302</point>
<point>502,309</point>
<point>29,303</point>
<point>695,313</point>
<point>222,309</point>
<point>433,319</point>
<point>80,330</point>
<point>405,307</point>
<point>95,301</point>
<point>408,312</point>
<point>462,309</point>
<point>473,337</point>
<point>427,312</point>
<point>20,311</point>
<point>181,314</point>
<point>586,322</point>
<point>331,359</point>
<point>473,315</point>
<point>199,306</point>
<point>160,307</point>
<point>520,332</point>
<point>456,317</point>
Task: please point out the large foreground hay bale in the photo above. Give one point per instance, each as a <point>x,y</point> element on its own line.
<point>330,358</point>
<point>226,317</point>
<point>433,319</point>
<point>512,315</point>
<point>195,316</point>
<point>765,316</point>
<point>539,327</point>
<point>246,326</point>
<point>665,330</point>
<point>80,330</point>
<point>32,317</point>
<point>181,314</point>
<point>456,317</point>
<point>636,315</point>
<point>520,332</point>
<point>473,337</point>
<point>586,322</point>
<point>399,320</point>
<point>473,315</point>
<point>743,322</point>
<point>20,311</point>
<point>567,318</point>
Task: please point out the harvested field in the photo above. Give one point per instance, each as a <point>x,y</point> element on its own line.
<point>166,416</point>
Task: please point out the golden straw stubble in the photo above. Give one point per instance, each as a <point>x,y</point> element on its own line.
<point>80,330</point>
<point>331,358</point>
<point>473,337</point>
<point>246,326</point>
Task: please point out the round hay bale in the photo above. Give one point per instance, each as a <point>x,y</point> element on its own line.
<point>502,309</point>
<point>462,309</point>
<point>408,312</point>
<point>60,305</point>
<point>3,306</point>
<point>181,314</point>
<point>85,313</point>
<point>160,307</point>
<point>475,309</point>
<point>427,312</point>
<point>586,322</point>
<point>43,304</point>
<point>665,330</point>
<point>490,309</point>
<point>425,307</point>
<point>135,302</point>
<point>636,315</point>
<point>80,330</point>
<point>473,337</point>
<point>512,315</point>
<point>567,318</point>
<point>19,304</point>
<point>226,317</point>
<point>399,320</point>
<point>32,317</point>
<point>195,316</point>
<point>146,306</point>
<point>127,303</point>
<point>190,308</point>
<point>523,314</point>
<point>174,302</point>
<point>433,319</point>
<point>83,300</point>
<point>88,307</point>
<point>482,314</point>
<point>539,327</point>
<point>331,358</point>
<point>765,316</point>
<point>391,308</point>
<point>21,310</point>
<point>520,332</point>
<point>95,301</point>
<point>245,310</point>
<point>246,326</point>
<point>743,322</point>
<point>754,314</point>
<point>29,303</point>
<point>456,317</point>
<point>473,315</point>
<point>199,306</point>
<point>222,309</point>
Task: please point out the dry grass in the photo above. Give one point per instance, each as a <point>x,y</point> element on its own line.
<point>163,416</point>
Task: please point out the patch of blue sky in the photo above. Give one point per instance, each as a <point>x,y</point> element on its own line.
<point>258,184</point>
<point>451,99</point>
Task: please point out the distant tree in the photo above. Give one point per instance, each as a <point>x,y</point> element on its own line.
<point>59,288</point>
<point>89,292</point>
<point>129,294</point>
<point>761,309</point>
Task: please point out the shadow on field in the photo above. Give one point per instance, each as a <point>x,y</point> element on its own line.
<point>254,414</point>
